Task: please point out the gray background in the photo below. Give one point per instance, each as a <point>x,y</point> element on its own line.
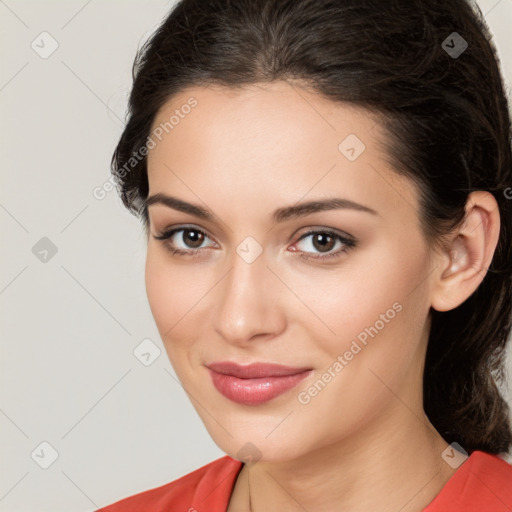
<point>70,324</point>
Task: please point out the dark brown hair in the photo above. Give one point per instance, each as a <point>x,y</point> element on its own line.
<point>448,128</point>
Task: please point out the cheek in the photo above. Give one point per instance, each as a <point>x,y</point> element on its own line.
<point>378,311</point>
<point>171,295</point>
<point>372,294</point>
<point>379,327</point>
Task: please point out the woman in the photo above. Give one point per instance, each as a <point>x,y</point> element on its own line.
<point>325,188</point>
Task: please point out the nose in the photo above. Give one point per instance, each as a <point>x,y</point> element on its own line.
<point>247,304</point>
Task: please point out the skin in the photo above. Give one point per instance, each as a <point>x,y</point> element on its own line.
<point>363,442</point>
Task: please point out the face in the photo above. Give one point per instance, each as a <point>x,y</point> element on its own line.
<point>338,290</point>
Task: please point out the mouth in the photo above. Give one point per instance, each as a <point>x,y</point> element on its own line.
<point>255,383</point>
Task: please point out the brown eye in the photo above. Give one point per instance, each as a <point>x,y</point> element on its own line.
<point>321,245</point>
<point>193,238</point>
<point>323,242</point>
<point>184,240</point>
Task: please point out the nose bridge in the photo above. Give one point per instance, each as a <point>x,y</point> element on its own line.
<point>244,308</point>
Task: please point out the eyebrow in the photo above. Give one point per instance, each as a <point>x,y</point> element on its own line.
<point>279,215</point>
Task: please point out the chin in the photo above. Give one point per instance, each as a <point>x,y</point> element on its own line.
<point>258,442</point>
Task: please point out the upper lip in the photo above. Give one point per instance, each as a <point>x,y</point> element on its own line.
<point>254,370</point>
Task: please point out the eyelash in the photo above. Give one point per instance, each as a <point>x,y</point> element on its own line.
<point>347,242</point>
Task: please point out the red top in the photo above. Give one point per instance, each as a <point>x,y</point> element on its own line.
<point>483,483</point>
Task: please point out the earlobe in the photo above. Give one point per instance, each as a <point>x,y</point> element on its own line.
<point>463,264</point>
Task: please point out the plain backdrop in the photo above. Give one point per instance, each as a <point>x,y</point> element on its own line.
<point>83,421</point>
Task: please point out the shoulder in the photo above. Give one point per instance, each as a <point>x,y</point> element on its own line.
<point>207,488</point>
<point>482,484</point>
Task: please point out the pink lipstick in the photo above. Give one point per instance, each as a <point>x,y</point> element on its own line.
<point>255,383</point>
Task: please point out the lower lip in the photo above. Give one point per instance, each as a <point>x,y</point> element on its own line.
<point>255,391</point>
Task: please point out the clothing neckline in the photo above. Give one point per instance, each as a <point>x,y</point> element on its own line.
<point>457,480</point>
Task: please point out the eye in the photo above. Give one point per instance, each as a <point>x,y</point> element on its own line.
<point>191,240</point>
<point>324,241</point>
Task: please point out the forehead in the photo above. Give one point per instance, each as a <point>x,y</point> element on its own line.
<point>271,140</point>
<point>263,109</point>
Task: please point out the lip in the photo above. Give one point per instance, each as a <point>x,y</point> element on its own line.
<point>255,370</point>
<point>255,383</point>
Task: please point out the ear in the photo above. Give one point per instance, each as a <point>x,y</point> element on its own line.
<point>463,263</point>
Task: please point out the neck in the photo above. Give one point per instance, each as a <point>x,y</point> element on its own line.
<point>402,470</point>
